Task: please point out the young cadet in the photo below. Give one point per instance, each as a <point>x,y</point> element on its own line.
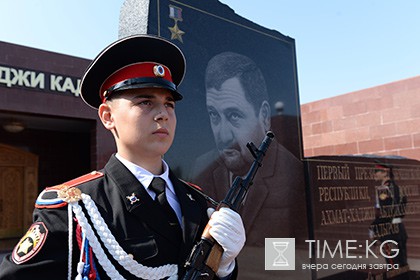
<point>134,219</point>
<point>390,203</point>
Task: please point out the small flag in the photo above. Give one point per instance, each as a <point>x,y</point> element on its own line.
<point>175,13</point>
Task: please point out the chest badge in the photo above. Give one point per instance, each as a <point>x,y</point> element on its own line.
<point>383,196</point>
<point>132,198</point>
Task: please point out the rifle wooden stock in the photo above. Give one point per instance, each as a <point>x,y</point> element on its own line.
<point>215,256</point>
<point>204,260</point>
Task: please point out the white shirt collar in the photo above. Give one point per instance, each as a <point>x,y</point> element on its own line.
<point>144,176</point>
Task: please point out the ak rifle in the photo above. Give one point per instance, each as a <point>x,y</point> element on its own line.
<point>204,259</point>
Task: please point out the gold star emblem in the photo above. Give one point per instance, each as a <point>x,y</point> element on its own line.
<point>176,33</point>
<point>24,246</point>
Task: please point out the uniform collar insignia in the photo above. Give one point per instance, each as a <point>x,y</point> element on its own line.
<point>190,197</point>
<point>132,198</point>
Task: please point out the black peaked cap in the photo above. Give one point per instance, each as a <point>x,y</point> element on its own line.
<point>126,51</point>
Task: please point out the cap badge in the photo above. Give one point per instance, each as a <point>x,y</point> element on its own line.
<point>132,198</point>
<point>159,71</point>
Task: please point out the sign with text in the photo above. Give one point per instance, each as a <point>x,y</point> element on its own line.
<point>41,81</point>
<point>364,214</point>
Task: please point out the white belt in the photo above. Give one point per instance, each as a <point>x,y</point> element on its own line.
<point>396,220</point>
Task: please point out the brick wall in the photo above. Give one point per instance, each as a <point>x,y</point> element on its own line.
<point>383,120</point>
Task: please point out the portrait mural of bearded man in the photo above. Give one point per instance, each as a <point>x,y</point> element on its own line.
<point>237,73</point>
<point>239,112</point>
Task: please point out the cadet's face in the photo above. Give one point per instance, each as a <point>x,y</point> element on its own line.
<point>379,175</point>
<point>143,122</point>
<point>234,123</point>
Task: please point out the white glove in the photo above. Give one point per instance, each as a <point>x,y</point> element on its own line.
<point>228,230</point>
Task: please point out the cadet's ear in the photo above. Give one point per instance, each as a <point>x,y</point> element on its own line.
<point>105,114</point>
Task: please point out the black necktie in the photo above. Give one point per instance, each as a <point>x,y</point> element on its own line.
<point>158,186</point>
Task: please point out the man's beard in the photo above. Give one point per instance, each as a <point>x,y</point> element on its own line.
<point>234,160</point>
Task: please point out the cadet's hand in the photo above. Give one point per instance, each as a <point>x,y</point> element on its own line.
<point>228,230</point>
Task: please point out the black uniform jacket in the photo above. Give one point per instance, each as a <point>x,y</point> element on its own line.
<point>139,227</point>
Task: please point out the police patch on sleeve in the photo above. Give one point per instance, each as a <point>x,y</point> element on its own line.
<point>31,243</point>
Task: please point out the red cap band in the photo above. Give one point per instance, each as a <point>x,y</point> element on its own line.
<point>137,70</point>
<point>380,166</point>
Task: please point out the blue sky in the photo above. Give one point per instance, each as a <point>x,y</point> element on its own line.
<point>341,46</point>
